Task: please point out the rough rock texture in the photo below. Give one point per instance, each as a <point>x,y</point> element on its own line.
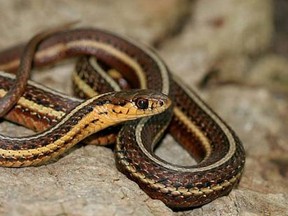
<point>223,48</point>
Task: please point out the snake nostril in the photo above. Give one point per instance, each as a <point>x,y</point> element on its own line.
<point>161,102</point>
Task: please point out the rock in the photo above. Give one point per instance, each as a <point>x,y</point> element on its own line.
<point>216,31</point>
<point>194,38</point>
<point>270,71</point>
<point>144,20</point>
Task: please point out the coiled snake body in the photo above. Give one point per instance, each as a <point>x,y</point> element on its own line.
<point>218,151</point>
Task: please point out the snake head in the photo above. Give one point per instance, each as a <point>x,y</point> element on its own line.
<point>134,104</point>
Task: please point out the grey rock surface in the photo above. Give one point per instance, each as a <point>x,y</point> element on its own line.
<point>223,50</point>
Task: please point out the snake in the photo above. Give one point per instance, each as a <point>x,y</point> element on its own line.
<point>116,63</point>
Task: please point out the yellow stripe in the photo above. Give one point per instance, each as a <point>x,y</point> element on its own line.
<point>77,129</point>
<point>85,88</point>
<point>194,129</point>
<point>37,107</point>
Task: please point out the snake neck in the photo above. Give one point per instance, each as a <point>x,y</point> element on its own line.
<point>83,121</point>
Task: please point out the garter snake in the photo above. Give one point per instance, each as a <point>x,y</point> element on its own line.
<point>217,149</point>
<point>83,120</point>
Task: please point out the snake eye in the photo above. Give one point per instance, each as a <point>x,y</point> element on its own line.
<point>142,103</point>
